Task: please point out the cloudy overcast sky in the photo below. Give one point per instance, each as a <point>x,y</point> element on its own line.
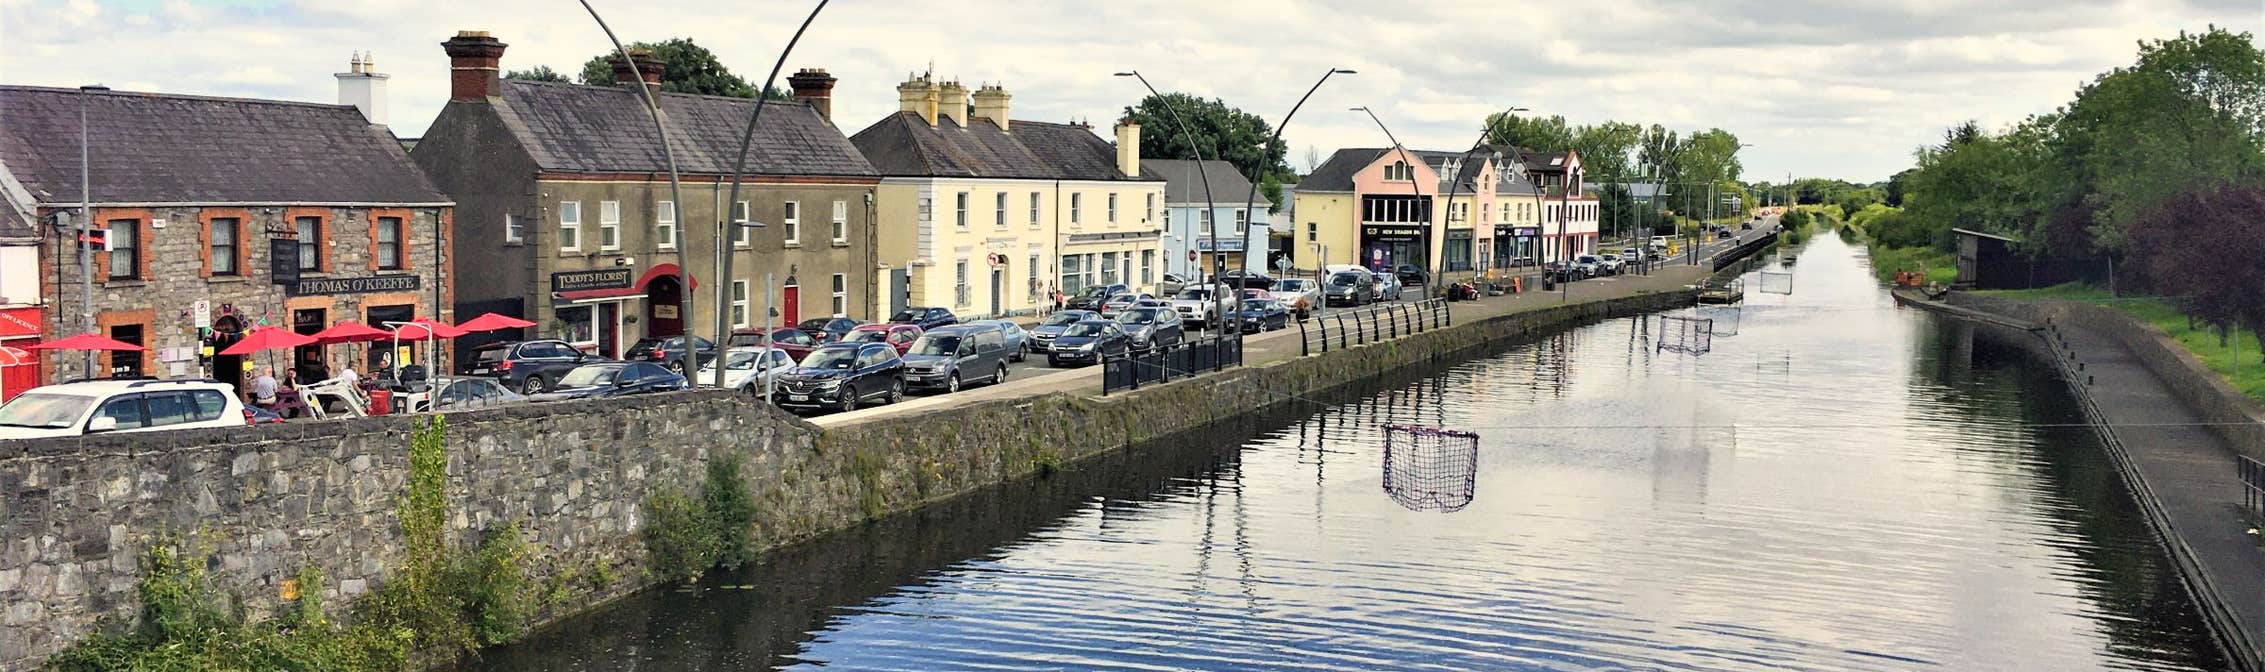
<point>1821,88</point>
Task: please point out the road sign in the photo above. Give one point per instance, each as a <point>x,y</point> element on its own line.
<point>202,313</point>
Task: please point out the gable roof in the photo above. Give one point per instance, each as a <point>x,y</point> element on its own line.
<point>1336,174</point>
<point>161,148</point>
<point>606,129</point>
<point>1184,187</point>
<point>904,145</point>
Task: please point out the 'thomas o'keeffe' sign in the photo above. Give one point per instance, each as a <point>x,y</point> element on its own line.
<point>368,285</point>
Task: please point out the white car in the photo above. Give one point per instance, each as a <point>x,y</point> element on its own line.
<point>749,369</point>
<point>104,406</point>
<point>1200,306</point>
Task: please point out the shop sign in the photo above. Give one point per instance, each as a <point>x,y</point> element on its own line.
<point>1528,231</point>
<point>1225,244</point>
<point>20,322</point>
<point>368,285</point>
<point>283,261</point>
<point>1391,233</point>
<point>582,281</point>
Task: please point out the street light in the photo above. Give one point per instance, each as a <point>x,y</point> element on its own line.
<point>1414,186</point>
<point>675,180</point>
<point>738,172</point>
<point>86,223</point>
<point>1250,201</point>
<point>1210,204</point>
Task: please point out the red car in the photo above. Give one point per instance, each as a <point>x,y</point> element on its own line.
<point>796,342</point>
<point>899,336</point>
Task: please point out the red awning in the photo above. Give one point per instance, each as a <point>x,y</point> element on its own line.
<point>659,270</point>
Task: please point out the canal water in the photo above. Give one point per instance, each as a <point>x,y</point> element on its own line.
<point>1838,485</point>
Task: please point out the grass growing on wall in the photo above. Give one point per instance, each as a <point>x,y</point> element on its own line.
<point>686,536</point>
<point>2233,358</point>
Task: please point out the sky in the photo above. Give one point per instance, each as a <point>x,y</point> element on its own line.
<point>1821,88</point>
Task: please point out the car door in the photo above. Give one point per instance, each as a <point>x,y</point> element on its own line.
<point>124,409</point>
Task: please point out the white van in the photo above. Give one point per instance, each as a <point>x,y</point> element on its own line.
<point>102,406</point>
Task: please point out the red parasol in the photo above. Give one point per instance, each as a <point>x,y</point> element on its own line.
<point>425,328</point>
<point>350,332</point>
<point>87,342</point>
<point>270,338</point>
<point>494,322</point>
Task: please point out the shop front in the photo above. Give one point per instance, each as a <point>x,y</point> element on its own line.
<point>19,329</point>
<point>589,308</point>
<point>1386,246</point>
<point>1514,245</point>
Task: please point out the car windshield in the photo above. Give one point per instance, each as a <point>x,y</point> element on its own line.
<point>44,410</point>
<point>1087,329</point>
<point>1096,290</point>
<point>838,359</point>
<point>866,336</point>
<point>814,325</point>
<point>1140,316</point>
<point>744,360</point>
<point>1059,319</point>
<point>1258,306</point>
<point>935,345</point>
<point>906,316</point>
<point>1194,295</point>
<point>589,376</point>
<point>1345,279</point>
<point>750,339</point>
<point>1611,257</point>
<point>1585,259</point>
<point>1290,286</point>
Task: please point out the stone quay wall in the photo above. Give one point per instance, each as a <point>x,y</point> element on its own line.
<point>76,514</point>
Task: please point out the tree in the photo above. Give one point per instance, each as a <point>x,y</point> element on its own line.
<point>2201,247</point>
<point>1224,134</point>
<point>685,68</point>
<point>541,73</point>
<point>1541,134</point>
<point>1605,148</point>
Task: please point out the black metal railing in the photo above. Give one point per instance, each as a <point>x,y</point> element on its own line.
<point>2252,489</point>
<point>1340,329</point>
<point>1166,364</point>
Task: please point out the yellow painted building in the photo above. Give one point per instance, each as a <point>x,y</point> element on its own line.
<point>987,216</point>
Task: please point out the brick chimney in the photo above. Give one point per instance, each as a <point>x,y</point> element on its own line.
<point>951,102</point>
<point>647,72</point>
<point>815,87</point>
<point>475,63</point>
<point>918,96</point>
<point>1128,148</point>
<point>364,88</point>
<point>991,103</point>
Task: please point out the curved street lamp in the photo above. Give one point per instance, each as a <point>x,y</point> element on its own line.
<point>728,226</point>
<point>1251,201</point>
<point>1210,203</point>
<point>675,182</point>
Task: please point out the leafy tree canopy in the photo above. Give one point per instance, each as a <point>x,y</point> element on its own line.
<point>540,73</point>
<point>685,68</point>
<point>1222,132</point>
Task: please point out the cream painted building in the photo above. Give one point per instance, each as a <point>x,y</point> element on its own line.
<point>987,216</point>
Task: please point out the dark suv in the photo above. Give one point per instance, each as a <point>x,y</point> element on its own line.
<point>1152,328</point>
<point>843,376</point>
<point>527,366</point>
<point>669,352</point>
<point>925,318</point>
<point>1093,296</point>
<point>948,356</point>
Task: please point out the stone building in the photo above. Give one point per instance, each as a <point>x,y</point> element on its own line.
<point>219,215</point>
<point>568,221</point>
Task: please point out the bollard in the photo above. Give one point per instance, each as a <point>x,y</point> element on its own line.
<point>2087,381</point>
<point>2080,366</point>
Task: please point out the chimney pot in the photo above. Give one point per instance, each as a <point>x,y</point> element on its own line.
<point>951,102</point>
<point>918,96</point>
<point>1128,148</point>
<point>364,88</point>
<point>475,63</point>
<point>991,103</point>
<point>815,88</point>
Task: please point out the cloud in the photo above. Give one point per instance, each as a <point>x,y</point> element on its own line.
<point>1823,87</point>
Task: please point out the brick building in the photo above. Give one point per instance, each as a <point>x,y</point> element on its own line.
<point>265,212</point>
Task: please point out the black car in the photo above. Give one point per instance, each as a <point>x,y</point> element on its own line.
<point>1152,327</point>
<point>843,376</point>
<point>1559,271</point>
<point>1266,315</point>
<point>925,318</point>
<point>827,328</point>
<point>1349,288</point>
<point>1042,336</point>
<point>1246,280</point>
<point>612,379</point>
<point>669,351</point>
<point>1092,296</point>
<point>945,358</point>
<point>1089,341</point>
<point>527,366</point>
<point>1410,274</point>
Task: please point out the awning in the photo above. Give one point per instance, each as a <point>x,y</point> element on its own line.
<point>606,296</point>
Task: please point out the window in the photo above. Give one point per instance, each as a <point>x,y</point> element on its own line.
<point>511,233</point>
<point>1033,209</point>
<point>1112,209</point>
<point>1149,213</point>
<point>793,222</point>
<point>841,294</point>
<point>739,304</point>
<point>999,211</point>
<point>841,222</point>
<point>960,220</point>
<point>1203,219</point>
<point>126,410</point>
<point>609,225</point>
<point>1400,171</point>
<point>1242,222</point>
<point>1313,232</point>
<point>1147,267</point>
<point>1072,280</point>
<point>222,243</point>
<point>1034,272</point>
<point>664,225</point>
<point>1077,204</point>
<point>389,255</point>
<point>125,249</point>
<point>1108,268</point>
<point>926,209</point>
<point>739,221</point>
<point>569,227</point>
<point>310,243</point>
<point>960,285</point>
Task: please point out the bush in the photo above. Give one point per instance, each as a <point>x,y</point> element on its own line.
<point>730,510</point>
<point>676,537</point>
<point>495,585</point>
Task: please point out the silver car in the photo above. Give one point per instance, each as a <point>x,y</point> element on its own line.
<point>1388,287</point>
<point>1300,295</point>
<point>465,394</point>
<point>750,370</point>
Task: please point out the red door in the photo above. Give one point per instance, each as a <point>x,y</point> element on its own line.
<point>790,304</point>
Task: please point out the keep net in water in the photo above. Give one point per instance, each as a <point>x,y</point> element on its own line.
<point>1430,469</point>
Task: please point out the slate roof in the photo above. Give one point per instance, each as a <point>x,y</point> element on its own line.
<point>1336,174</point>
<point>1183,187</point>
<point>904,145</point>
<point>160,148</point>
<point>606,129</point>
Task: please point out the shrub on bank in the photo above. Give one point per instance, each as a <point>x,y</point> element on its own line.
<point>687,537</point>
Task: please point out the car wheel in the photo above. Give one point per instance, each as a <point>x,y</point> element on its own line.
<point>533,385</point>
<point>1001,376</point>
<point>951,383</point>
<point>896,392</point>
<point>676,367</point>
<point>849,398</point>
<point>1052,362</point>
<point>1022,353</point>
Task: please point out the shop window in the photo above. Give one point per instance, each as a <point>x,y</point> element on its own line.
<point>577,324</point>
<point>127,362</point>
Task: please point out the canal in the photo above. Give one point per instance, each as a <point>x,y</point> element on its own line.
<point>1840,485</point>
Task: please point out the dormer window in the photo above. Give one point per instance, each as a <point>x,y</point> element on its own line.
<point>1399,171</point>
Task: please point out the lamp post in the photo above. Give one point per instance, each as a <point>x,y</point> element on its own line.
<point>1210,204</point>
<point>1250,201</point>
<point>675,186</point>
<point>728,224</point>
<point>1455,182</point>
<point>1414,187</point>
<point>86,224</point>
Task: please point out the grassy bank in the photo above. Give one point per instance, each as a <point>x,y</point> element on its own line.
<point>2234,358</point>
<point>1889,259</point>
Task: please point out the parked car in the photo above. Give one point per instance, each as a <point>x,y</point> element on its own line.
<point>254,415</point>
<point>1091,297</point>
<point>530,367</point>
<point>827,329</point>
<point>1300,294</point>
<point>1587,265</point>
<point>925,318</point>
<point>843,376</point>
<point>669,352</point>
<point>1042,336</point>
<point>1410,274</point>
<point>613,379</point>
<point>899,336</point>
<point>945,358</point>
<point>1632,255</point>
<point>1089,341</point>
<point>103,406</point>
<point>1388,287</point>
<point>796,342</point>
<point>1610,264</point>
<point>1350,288</point>
<point>1246,280</point>
<point>1200,305</point>
<point>1560,271</point>
<point>749,369</point>
<point>1018,341</point>
<point>1152,328</point>
<point>1171,284</point>
<point>1747,226</point>
<point>470,394</point>
<point>1265,315</point>
<point>1118,304</point>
